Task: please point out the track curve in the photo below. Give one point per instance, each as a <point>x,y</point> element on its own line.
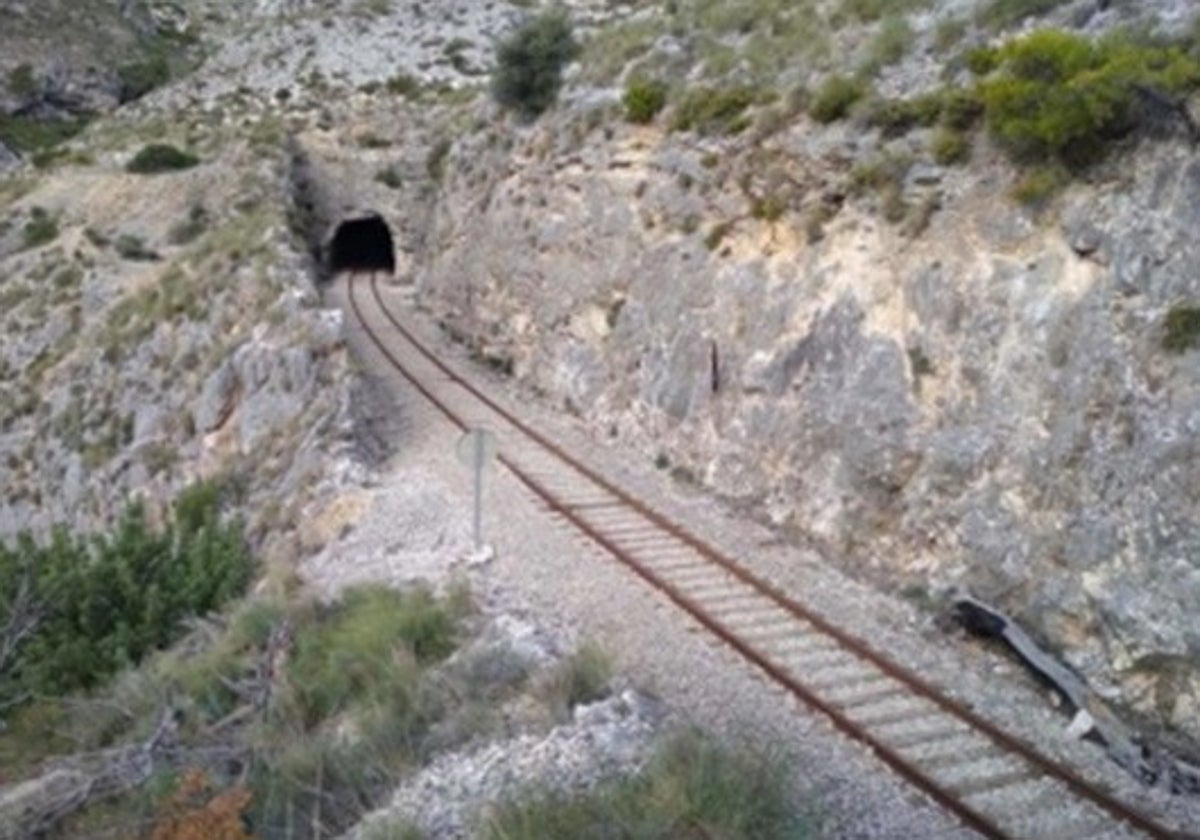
<point>995,783</point>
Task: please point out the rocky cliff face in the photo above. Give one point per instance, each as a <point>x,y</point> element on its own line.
<point>161,328</point>
<point>976,394</point>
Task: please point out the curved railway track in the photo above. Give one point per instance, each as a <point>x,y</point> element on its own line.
<point>995,783</point>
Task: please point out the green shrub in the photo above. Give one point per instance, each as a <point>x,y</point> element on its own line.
<point>190,228</point>
<point>644,98</point>
<point>836,96</point>
<point>21,81</point>
<point>364,660</point>
<point>983,60</point>
<point>107,600</point>
<point>950,146</point>
<point>582,677</point>
<point>366,649</point>
<point>960,109</point>
<point>713,110</point>
<point>31,135</point>
<point>159,157</point>
<point>41,229</point>
<point>889,44</point>
<point>144,75</point>
<point>529,64</point>
<point>692,787</point>
<point>896,117</point>
<point>435,161</point>
<point>404,84</point>
<point>1056,95</point>
<point>768,208</point>
<point>716,235</point>
<point>390,176</point>
<point>1040,184</point>
<point>1182,329</point>
<point>130,247</point>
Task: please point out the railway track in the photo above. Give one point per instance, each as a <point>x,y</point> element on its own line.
<point>993,782</point>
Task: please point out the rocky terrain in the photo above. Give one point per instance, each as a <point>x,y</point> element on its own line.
<point>883,354</point>
<point>973,393</point>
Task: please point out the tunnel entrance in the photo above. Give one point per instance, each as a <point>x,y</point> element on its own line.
<point>362,244</point>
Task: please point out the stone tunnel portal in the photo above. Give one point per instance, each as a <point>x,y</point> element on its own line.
<point>362,244</point>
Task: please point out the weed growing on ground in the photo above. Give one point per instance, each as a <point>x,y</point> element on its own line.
<point>583,677</point>
<point>714,110</point>
<point>644,98</point>
<point>41,229</point>
<point>693,787</point>
<point>1182,329</point>
<point>834,98</point>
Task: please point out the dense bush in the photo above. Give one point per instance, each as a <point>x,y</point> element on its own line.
<point>97,604</point>
<point>159,157</point>
<point>529,64</point>
<point>714,110</point>
<point>644,98</point>
<point>1058,96</point>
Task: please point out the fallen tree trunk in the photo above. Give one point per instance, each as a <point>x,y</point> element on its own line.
<point>1092,715</point>
<point>31,807</point>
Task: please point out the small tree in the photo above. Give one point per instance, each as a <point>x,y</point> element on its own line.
<point>529,64</point>
<point>159,157</point>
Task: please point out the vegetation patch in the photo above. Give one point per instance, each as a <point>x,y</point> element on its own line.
<point>836,96</point>
<point>435,161</point>
<point>1057,96</point>
<point>30,135</point>
<point>714,110</point>
<point>693,787</point>
<point>1040,184</point>
<point>160,157</point>
<point>644,98</point>
<point>86,606</point>
<point>1001,14</point>
<point>1182,329</point>
<point>581,678</point>
<point>950,147</point>
<point>21,81</point>
<point>293,719</point>
<point>390,177</point>
<point>131,247</point>
<point>529,64</point>
<point>364,649</point>
<point>41,229</point>
<point>191,228</point>
<point>889,44</point>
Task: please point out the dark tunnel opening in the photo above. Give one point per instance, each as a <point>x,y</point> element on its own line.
<point>362,244</point>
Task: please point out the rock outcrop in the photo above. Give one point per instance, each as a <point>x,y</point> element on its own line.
<point>977,395</point>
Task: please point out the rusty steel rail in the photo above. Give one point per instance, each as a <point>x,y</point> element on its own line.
<point>917,685</point>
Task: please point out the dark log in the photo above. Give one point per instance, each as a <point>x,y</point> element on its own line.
<point>32,807</point>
